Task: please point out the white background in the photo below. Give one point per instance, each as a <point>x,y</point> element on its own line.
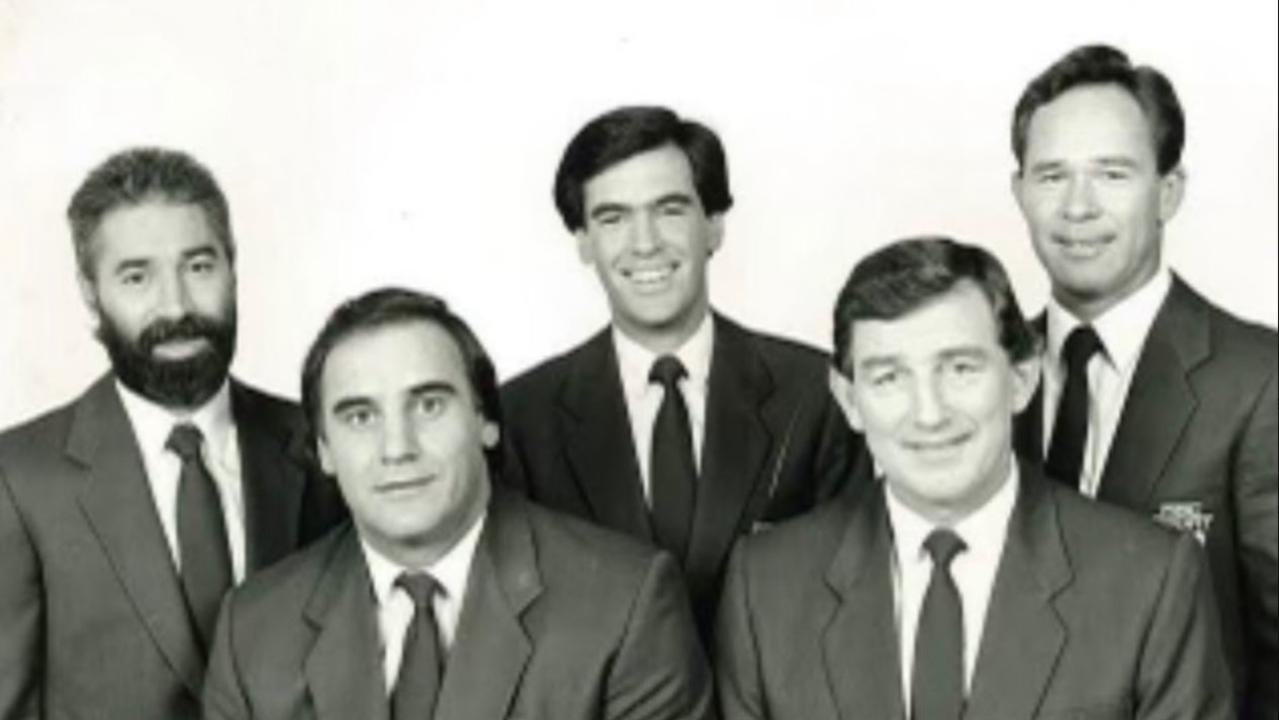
<point>365,143</point>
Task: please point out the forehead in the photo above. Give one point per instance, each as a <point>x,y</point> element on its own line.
<point>642,177</point>
<point>960,318</point>
<point>1090,121</point>
<point>152,229</point>
<point>392,359</point>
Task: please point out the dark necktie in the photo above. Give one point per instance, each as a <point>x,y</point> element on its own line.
<point>1070,431</point>
<point>421,667</point>
<point>202,535</point>
<point>937,681</point>
<point>672,471</point>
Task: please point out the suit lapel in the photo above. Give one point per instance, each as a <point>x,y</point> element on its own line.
<point>600,447</point>
<point>735,446</point>
<point>1024,635</point>
<point>344,668</point>
<point>491,648</point>
<point>272,482</point>
<point>119,506</point>
<point>1160,400</point>
<point>860,641</point>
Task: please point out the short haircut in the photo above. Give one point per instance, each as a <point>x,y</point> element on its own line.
<point>908,274</point>
<point>1104,65</point>
<point>628,131</point>
<point>140,175</point>
<point>396,306</point>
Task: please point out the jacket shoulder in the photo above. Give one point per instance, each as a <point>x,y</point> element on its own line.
<point>290,581</point>
<point>581,548</point>
<point>784,356</point>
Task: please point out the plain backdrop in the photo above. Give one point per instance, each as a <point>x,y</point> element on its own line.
<point>378,142</point>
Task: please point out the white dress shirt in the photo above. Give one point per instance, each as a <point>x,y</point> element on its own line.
<point>152,425</point>
<point>1123,329</point>
<point>395,607</point>
<point>973,570</point>
<point>644,398</point>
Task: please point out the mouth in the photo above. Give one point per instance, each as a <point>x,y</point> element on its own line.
<point>1083,247</point>
<point>940,448</point>
<point>650,280</point>
<point>408,485</point>
<point>180,349</point>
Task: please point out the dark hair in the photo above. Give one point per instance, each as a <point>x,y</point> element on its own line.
<point>1104,65</point>
<point>907,274</point>
<point>394,306</point>
<point>139,175</point>
<point>628,131</point>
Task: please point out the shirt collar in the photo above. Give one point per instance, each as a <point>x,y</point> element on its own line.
<point>1122,328</point>
<point>983,530</point>
<point>636,361</point>
<point>451,571</point>
<point>153,423</point>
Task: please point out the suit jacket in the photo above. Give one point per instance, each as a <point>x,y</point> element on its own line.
<point>93,622</point>
<point>774,445</point>
<point>1095,613</point>
<point>1199,432</point>
<point>561,621</point>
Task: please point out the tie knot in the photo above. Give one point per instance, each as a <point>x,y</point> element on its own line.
<point>668,371</point>
<point>943,545</point>
<point>1081,344</point>
<point>420,586</point>
<point>185,440</point>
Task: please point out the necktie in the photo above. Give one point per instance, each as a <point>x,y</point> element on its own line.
<point>202,536</point>
<point>937,681</point>
<point>672,471</point>
<point>1066,452</point>
<point>421,668</point>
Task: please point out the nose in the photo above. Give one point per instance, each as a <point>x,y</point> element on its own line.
<point>1080,201</point>
<point>645,236</point>
<point>174,299</point>
<point>929,408</point>
<point>399,440</point>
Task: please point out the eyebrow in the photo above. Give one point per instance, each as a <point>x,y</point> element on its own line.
<point>434,387</point>
<point>675,198</point>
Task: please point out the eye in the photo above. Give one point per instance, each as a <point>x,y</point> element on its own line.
<point>609,219</point>
<point>1115,174</point>
<point>673,210</point>
<point>133,277</point>
<point>357,417</point>
<point>430,406</point>
<point>885,378</point>
<point>202,265</point>
<point>1050,177</point>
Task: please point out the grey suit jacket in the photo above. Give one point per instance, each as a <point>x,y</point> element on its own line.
<point>93,623</point>
<point>775,445</point>
<point>1196,445</point>
<point>1095,613</point>
<point>561,621</point>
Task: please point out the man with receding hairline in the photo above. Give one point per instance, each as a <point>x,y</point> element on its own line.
<point>1153,398</point>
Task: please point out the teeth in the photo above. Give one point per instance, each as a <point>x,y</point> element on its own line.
<point>649,277</point>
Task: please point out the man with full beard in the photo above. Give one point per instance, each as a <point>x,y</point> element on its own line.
<point>127,514</point>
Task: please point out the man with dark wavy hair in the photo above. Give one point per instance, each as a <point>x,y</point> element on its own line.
<point>1153,397</point>
<point>675,424</point>
<point>963,583</point>
<point>127,514</point>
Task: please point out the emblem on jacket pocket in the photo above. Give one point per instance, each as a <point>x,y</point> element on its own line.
<point>1185,517</point>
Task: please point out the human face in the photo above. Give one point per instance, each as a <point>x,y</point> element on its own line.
<point>1093,198</point>
<point>403,433</point>
<point>934,393</point>
<point>649,239</point>
<point>163,293</point>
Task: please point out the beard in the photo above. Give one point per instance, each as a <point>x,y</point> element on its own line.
<point>185,383</point>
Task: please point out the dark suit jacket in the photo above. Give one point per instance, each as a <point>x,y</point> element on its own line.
<point>1095,613</point>
<point>1199,426</point>
<point>561,621</point>
<point>93,623</point>
<point>775,444</point>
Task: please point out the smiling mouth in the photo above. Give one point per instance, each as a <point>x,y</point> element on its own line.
<point>180,349</point>
<point>650,279</point>
<point>936,447</point>
<point>409,485</point>
<point>1083,247</point>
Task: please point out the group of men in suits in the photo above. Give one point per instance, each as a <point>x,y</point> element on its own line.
<point>901,550</point>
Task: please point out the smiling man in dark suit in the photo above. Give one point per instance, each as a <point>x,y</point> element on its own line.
<point>965,584</point>
<point>1153,398</point>
<point>446,598</point>
<point>126,514</point>
<point>675,424</point>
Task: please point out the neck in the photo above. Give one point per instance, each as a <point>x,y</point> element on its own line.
<point>666,339</point>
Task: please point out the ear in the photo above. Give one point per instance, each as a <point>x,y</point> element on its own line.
<point>326,459</point>
<point>1172,188</point>
<point>841,388</point>
<point>1015,184</point>
<point>585,247</point>
<point>89,293</point>
<point>1025,381</point>
<point>490,434</point>
<point>717,233</point>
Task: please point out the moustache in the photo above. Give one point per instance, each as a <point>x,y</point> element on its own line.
<point>187,327</point>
